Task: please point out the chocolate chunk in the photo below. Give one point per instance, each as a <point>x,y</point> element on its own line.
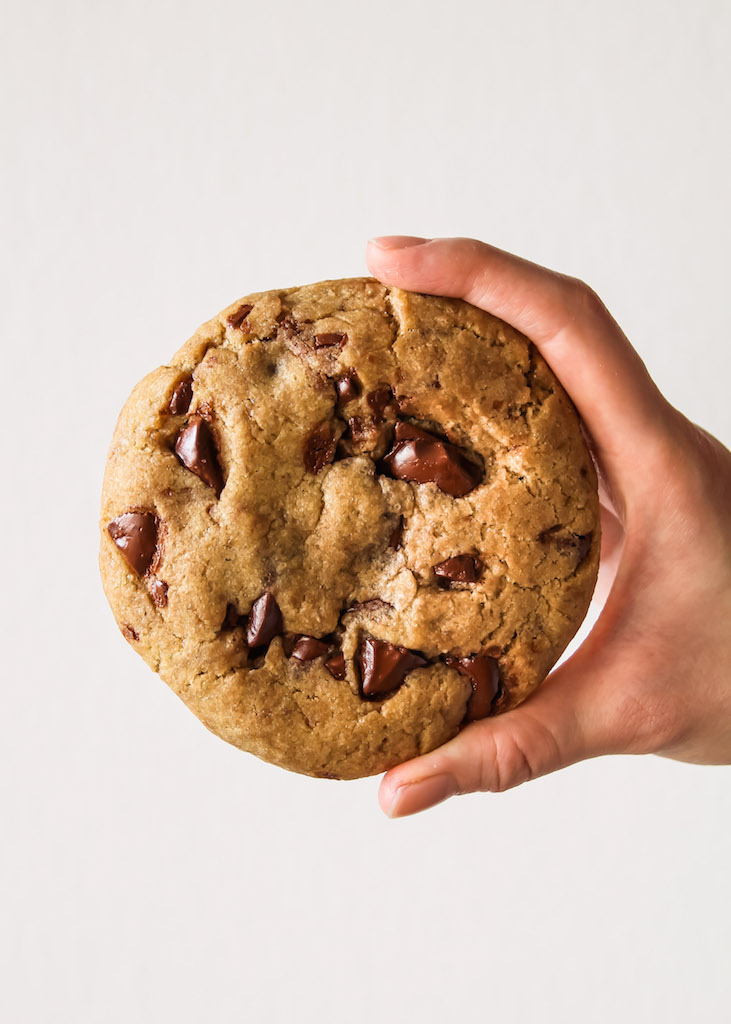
<point>378,400</point>
<point>181,396</point>
<point>330,340</point>
<point>265,621</point>
<point>459,569</point>
<point>129,633</point>
<point>159,593</point>
<point>336,665</point>
<point>394,541</point>
<point>482,671</point>
<point>237,319</point>
<point>383,666</point>
<point>307,648</point>
<point>135,534</point>
<point>348,388</point>
<point>319,448</point>
<point>423,458</point>
<point>195,447</point>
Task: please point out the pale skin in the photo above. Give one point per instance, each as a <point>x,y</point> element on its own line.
<point>654,674</point>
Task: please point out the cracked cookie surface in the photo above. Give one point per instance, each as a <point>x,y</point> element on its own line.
<point>346,520</point>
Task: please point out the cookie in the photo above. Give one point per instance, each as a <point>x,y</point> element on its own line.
<point>346,520</point>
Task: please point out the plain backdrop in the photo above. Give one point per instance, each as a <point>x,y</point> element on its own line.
<point>159,160</point>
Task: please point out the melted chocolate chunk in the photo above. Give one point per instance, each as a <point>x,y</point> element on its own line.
<point>129,633</point>
<point>348,388</point>
<point>378,400</point>
<point>482,671</point>
<point>330,340</point>
<point>384,666</point>
<point>195,447</point>
<point>422,458</point>
<point>319,448</point>
<point>336,665</point>
<point>181,396</point>
<point>307,648</point>
<point>459,569</point>
<point>237,319</point>
<point>159,593</point>
<point>135,534</point>
<point>394,541</point>
<point>265,621</point>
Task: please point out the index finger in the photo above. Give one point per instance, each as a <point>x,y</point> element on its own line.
<point>604,376</point>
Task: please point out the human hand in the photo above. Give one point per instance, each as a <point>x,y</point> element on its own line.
<point>654,674</point>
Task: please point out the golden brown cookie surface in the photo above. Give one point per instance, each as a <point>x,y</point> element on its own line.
<point>346,520</point>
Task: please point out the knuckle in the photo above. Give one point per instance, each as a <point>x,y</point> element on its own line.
<point>582,300</point>
<point>471,246</point>
<point>510,757</point>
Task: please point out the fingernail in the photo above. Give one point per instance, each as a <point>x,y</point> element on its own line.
<point>397,241</point>
<point>418,796</point>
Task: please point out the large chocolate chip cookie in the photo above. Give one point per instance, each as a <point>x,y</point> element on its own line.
<point>347,520</point>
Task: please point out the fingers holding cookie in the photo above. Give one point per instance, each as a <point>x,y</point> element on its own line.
<point>582,343</point>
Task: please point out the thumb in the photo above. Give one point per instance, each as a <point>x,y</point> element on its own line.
<point>563,722</point>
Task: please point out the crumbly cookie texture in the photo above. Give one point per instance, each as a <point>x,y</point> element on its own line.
<point>348,519</point>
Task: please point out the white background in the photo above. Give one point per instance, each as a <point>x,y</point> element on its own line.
<point>161,159</point>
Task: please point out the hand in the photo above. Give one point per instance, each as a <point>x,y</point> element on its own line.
<point>654,675</point>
